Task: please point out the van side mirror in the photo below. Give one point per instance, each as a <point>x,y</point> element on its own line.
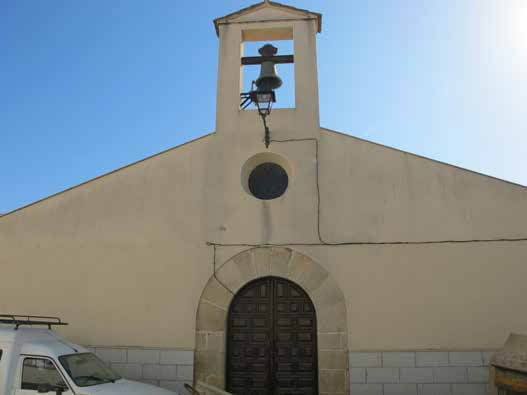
<point>45,388</point>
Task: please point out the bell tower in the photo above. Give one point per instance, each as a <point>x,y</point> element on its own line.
<point>262,172</point>
<point>268,21</point>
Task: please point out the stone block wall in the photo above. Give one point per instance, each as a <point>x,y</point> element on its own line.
<point>419,373</point>
<point>166,368</point>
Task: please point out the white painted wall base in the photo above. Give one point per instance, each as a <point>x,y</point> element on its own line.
<point>371,373</point>
<point>419,373</point>
<point>167,368</point>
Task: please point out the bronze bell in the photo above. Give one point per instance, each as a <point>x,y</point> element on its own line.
<point>268,79</point>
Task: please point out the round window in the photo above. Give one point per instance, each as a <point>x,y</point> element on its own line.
<point>268,181</point>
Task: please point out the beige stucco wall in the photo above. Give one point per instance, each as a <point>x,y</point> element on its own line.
<point>124,259</point>
<point>434,296</point>
<point>121,258</point>
<point>373,193</point>
<point>447,296</point>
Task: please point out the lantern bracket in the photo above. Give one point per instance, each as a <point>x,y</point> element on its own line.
<point>264,103</point>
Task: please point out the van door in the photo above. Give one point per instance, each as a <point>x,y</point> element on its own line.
<point>39,373</point>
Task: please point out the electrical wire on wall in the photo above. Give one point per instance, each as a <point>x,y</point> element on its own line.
<point>323,242</point>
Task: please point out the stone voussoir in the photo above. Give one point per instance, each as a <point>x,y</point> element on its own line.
<point>327,294</point>
<point>314,276</point>
<point>298,267</point>
<point>237,271</point>
<point>217,294</point>
<point>210,317</point>
<point>331,318</point>
<point>279,259</point>
<point>260,257</point>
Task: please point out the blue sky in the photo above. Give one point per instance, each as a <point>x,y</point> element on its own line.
<point>87,87</point>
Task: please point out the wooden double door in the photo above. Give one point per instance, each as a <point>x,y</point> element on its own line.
<point>272,340</point>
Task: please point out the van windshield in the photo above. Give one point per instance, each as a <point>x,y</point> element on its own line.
<point>86,369</point>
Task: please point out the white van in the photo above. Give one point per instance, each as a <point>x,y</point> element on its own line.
<point>36,361</point>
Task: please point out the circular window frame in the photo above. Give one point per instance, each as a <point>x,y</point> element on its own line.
<point>261,158</point>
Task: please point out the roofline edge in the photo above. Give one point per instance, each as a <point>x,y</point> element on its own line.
<point>425,157</point>
<point>104,175</point>
<point>318,16</point>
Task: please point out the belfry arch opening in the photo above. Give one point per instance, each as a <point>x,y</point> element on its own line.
<point>271,339</point>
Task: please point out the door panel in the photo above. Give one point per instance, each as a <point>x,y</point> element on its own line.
<point>271,340</point>
<point>295,340</point>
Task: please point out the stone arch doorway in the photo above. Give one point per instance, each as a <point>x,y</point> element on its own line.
<point>328,300</point>
<point>271,340</point>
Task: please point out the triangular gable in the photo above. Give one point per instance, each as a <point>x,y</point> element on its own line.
<point>267,10</point>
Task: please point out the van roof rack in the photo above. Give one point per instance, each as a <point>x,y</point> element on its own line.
<point>18,320</point>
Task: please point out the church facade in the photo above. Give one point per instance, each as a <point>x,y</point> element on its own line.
<point>321,264</point>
